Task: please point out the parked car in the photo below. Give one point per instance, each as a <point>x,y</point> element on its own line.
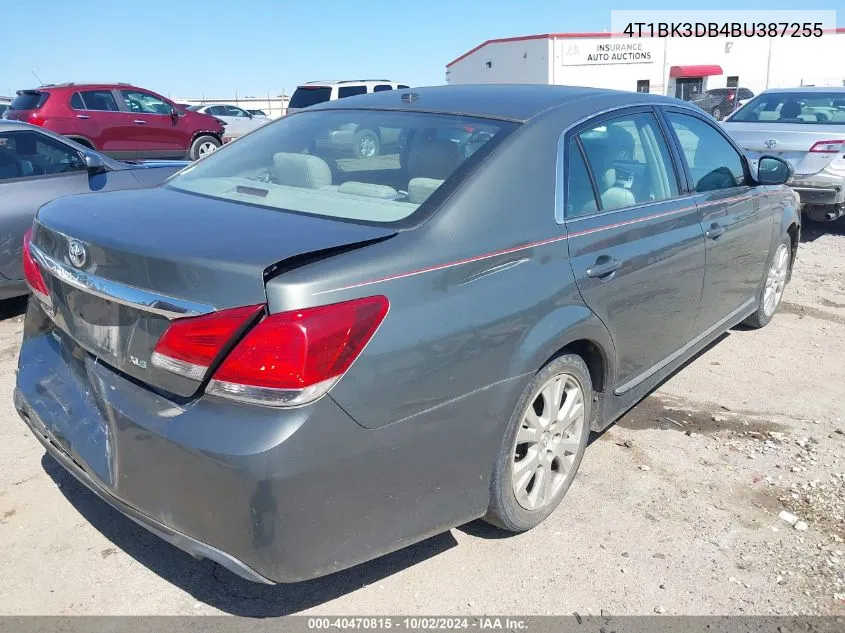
<point>315,92</point>
<point>119,120</point>
<point>805,127</point>
<point>719,102</point>
<point>238,121</point>
<point>399,350</point>
<point>37,166</point>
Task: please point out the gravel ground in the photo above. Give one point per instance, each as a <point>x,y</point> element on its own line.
<point>675,510</point>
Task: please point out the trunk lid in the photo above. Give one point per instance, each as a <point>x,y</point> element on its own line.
<point>789,141</point>
<point>157,254</point>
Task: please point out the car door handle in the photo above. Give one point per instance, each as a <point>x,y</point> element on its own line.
<point>82,116</point>
<point>604,268</point>
<point>139,122</point>
<point>714,231</point>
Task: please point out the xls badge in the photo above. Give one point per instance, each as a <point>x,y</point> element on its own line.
<point>76,253</point>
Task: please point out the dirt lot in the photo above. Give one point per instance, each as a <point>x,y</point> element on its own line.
<point>675,509</point>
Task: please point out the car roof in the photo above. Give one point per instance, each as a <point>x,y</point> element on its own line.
<point>807,89</point>
<point>514,102</point>
<point>339,82</point>
<point>82,85</point>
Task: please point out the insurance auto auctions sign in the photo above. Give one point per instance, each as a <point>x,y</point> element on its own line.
<point>608,52</point>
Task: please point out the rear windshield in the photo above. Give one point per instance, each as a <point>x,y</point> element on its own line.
<point>827,108</point>
<point>29,100</point>
<point>375,167</point>
<point>305,96</point>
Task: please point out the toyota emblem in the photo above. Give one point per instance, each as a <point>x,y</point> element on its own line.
<point>76,253</point>
<point>770,144</point>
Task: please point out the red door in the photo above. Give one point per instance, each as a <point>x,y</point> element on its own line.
<point>98,118</point>
<point>154,131</point>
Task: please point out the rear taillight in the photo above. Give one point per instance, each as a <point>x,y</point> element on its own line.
<point>35,119</point>
<point>295,357</point>
<point>829,147</point>
<point>287,359</point>
<point>32,272</point>
<point>189,346</point>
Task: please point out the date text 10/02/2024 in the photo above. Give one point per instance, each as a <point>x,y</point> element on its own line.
<point>418,623</point>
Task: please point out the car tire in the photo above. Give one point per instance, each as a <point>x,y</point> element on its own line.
<point>202,146</point>
<point>717,113</point>
<point>773,286</point>
<point>366,144</point>
<point>555,446</point>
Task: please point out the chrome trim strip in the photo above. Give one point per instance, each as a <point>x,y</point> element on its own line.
<point>673,357</point>
<point>131,296</point>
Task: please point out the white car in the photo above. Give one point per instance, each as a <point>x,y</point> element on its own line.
<point>238,121</point>
<point>315,92</point>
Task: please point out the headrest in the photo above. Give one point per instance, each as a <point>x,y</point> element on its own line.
<point>435,158</point>
<point>419,189</point>
<point>790,110</point>
<point>301,170</point>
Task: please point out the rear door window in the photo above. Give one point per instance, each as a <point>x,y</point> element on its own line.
<point>306,96</point>
<point>99,100</point>
<point>629,161</point>
<point>712,161</point>
<point>382,87</point>
<point>351,91</point>
<point>29,100</point>
<point>580,196</point>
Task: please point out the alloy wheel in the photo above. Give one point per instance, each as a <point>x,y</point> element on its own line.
<point>776,280</point>
<point>206,148</point>
<point>547,441</point>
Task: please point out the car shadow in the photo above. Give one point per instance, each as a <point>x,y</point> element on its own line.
<point>211,584</point>
<point>811,231</point>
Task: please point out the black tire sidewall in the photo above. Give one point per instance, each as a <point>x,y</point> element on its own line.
<point>195,146</point>
<point>504,510</point>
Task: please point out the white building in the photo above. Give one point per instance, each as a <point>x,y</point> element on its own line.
<point>273,107</point>
<point>678,67</point>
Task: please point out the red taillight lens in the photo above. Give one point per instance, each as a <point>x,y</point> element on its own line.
<point>189,346</point>
<point>829,147</point>
<point>36,119</point>
<point>30,269</point>
<point>295,357</point>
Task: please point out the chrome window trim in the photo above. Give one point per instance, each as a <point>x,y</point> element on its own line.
<point>560,165</point>
<point>132,296</point>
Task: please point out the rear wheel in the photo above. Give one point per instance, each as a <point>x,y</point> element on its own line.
<point>773,286</point>
<point>203,146</point>
<point>543,445</point>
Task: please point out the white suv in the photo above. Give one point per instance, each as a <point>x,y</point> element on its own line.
<point>319,91</point>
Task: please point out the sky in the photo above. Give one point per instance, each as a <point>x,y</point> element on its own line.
<point>206,48</point>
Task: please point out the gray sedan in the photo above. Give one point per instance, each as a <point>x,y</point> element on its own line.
<point>806,127</point>
<point>291,363</point>
<point>37,166</point>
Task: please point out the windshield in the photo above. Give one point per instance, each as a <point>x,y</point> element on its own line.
<point>794,108</point>
<point>368,166</point>
<point>305,96</point>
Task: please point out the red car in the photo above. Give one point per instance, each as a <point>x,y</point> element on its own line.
<point>119,120</point>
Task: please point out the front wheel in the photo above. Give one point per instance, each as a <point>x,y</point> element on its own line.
<point>203,146</point>
<point>773,286</point>
<point>543,445</point>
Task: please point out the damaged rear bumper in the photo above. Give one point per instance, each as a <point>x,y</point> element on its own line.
<point>188,544</point>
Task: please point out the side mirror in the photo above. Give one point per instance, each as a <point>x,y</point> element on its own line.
<point>772,170</point>
<point>94,163</point>
<point>174,113</point>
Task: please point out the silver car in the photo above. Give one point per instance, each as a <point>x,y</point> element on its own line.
<point>806,127</point>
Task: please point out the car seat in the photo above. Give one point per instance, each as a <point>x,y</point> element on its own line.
<point>430,163</point>
<point>612,197</point>
<point>791,110</point>
<point>301,170</point>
